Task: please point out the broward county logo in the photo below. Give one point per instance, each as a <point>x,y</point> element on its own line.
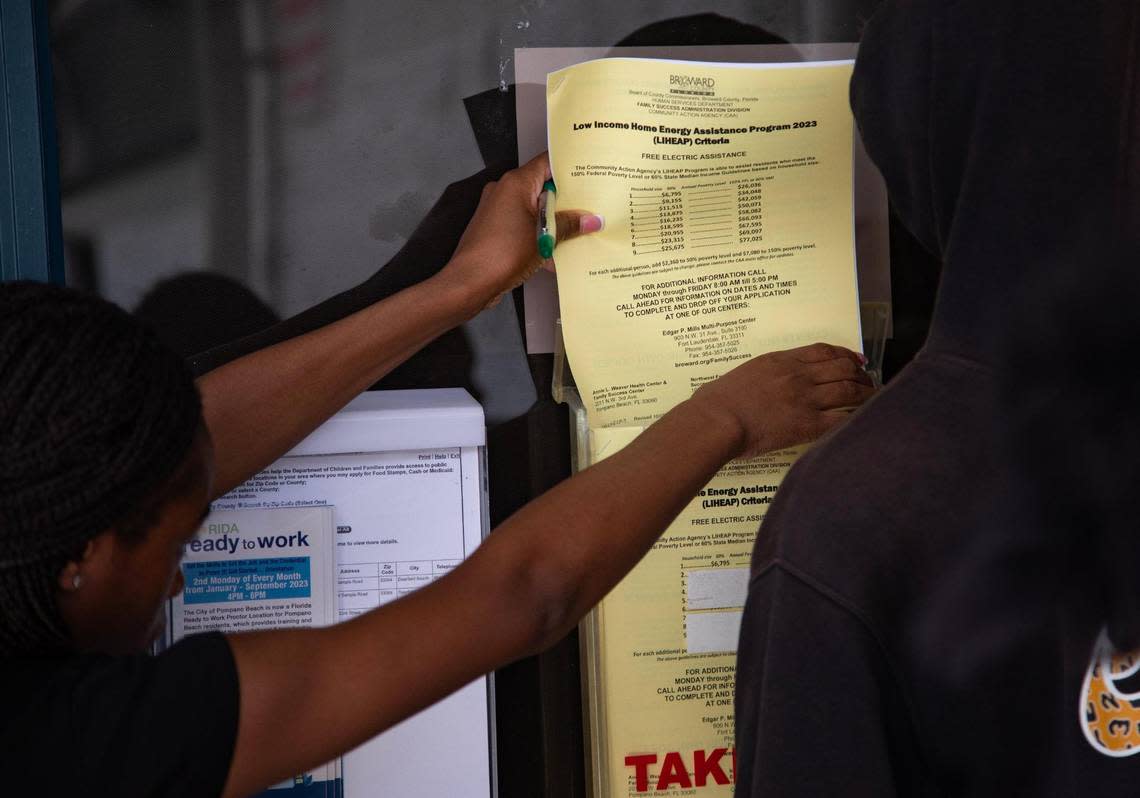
<point>1110,717</point>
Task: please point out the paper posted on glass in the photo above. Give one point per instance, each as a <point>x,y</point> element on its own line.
<point>532,65</point>
<point>727,195</point>
<point>252,570</point>
<point>404,473</point>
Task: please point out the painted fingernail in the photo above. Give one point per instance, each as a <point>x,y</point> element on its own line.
<point>862,358</point>
<point>591,223</point>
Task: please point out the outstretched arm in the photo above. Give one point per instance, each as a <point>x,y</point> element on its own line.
<point>530,581</point>
<point>259,406</point>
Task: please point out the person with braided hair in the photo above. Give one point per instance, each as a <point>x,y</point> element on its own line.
<point>110,454</point>
<point>96,415</point>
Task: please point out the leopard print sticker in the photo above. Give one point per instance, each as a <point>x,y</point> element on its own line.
<point>1109,717</point>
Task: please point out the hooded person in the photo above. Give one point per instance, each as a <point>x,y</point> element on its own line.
<point>875,657</point>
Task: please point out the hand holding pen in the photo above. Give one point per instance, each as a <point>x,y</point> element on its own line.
<point>549,222</point>
<point>497,252</point>
<point>547,226</point>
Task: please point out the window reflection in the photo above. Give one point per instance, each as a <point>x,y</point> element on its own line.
<point>294,144</point>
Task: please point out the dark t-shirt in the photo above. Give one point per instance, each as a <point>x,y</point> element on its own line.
<point>880,657</point>
<point>825,684</point>
<point>121,726</point>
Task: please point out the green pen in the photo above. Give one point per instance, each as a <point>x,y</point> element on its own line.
<point>547,232</point>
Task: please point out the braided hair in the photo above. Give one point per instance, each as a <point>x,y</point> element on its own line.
<point>95,416</point>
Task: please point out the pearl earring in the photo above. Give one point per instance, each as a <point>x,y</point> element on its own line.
<point>77,581</point>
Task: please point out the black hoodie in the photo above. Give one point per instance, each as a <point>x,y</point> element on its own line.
<point>1005,132</point>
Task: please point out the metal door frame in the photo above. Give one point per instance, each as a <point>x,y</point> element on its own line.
<point>31,241</point>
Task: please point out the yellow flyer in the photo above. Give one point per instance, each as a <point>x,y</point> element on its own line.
<point>661,647</point>
<point>729,232</point>
<point>727,194</point>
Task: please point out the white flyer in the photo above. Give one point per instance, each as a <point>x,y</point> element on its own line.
<point>254,570</point>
